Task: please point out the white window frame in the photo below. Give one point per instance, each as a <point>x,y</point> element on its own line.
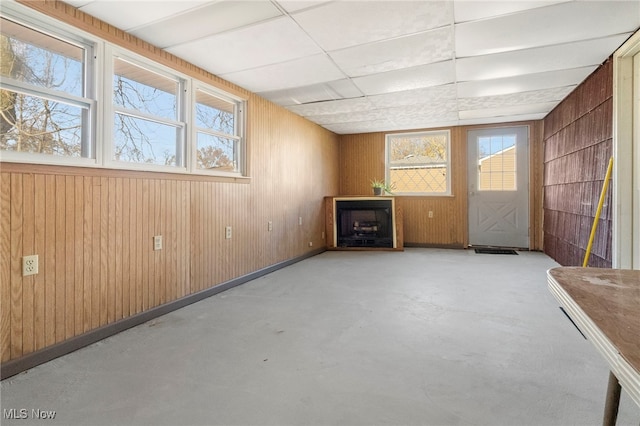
<point>239,131</point>
<point>113,53</point>
<point>389,137</point>
<point>92,52</point>
<point>99,80</point>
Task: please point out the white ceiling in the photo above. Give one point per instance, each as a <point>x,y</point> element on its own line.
<point>377,65</point>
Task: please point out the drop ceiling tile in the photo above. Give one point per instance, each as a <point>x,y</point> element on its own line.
<point>429,95</point>
<point>402,52</point>
<point>333,90</point>
<point>136,13</point>
<point>343,24</point>
<point>299,72</point>
<point>362,127</point>
<point>561,23</point>
<point>295,5</point>
<point>473,10</point>
<point>541,59</point>
<point>523,83</point>
<point>341,106</point>
<point>407,79</point>
<point>507,111</point>
<point>405,115</point>
<point>514,99</point>
<point>503,119</point>
<point>266,43</point>
<point>212,19</point>
<point>78,3</point>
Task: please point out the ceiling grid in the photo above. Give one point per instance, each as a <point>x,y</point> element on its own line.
<point>357,66</point>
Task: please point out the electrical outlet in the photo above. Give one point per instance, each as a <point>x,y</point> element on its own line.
<point>270,226</point>
<point>29,265</point>
<point>227,232</point>
<point>157,242</point>
<point>310,243</point>
<point>430,214</point>
<point>300,220</point>
<point>323,235</point>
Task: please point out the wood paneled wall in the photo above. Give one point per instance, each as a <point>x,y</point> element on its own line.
<point>578,144</point>
<point>93,228</point>
<point>362,159</point>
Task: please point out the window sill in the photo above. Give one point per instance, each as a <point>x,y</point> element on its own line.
<point>10,167</point>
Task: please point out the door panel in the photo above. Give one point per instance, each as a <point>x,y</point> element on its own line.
<point>498,187</point>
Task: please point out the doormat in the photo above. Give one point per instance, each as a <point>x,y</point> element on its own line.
<point>495,251</point>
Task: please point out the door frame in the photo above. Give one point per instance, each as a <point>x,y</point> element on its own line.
<point>534,155</point>
<point>626,153</point>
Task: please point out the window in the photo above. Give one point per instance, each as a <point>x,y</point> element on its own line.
<point>45,107</point>
<point>418,163</point>
<point>147,126</point>
<point>218,132</point>
<point>497,163</point>
<point>50,111</point>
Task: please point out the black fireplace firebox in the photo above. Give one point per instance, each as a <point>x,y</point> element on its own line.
<point>364,223</point>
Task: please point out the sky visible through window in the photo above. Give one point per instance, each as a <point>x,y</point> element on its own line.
<point>490,145</point>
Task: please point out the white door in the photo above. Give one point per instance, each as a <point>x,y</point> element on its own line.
<point>499,187</point>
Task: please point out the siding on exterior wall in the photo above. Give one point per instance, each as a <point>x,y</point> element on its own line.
<point>93,228</point>
<point>578,144</point>
<point>362,159</point>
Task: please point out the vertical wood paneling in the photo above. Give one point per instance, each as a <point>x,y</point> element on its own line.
<point>28,234</point>
<point>126,248</point>
<point>87,277</point>
<point>60,264</point>
<point>93,228</point>
<point>95,253</point>
<point>69,256</point>
<point>578,145</point>
<point>112,213</point>
<point>39,248</point>
<point>78,247</point>
<point>104,250</point>
<point>5,266</point>
<point>16,271</point>
<point>117,254</point>
<point>50,261</point>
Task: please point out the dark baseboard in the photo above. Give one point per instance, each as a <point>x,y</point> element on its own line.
<point>13,367</point>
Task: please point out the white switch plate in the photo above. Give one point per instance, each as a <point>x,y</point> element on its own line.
<point>270,226</point>
<point>227,232</point>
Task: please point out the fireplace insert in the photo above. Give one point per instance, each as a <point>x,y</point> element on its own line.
<point>364,223</point>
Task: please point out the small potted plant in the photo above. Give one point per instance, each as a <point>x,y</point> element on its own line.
<point>380,187</point>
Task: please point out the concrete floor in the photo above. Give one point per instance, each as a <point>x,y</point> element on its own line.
<point>424,337</point>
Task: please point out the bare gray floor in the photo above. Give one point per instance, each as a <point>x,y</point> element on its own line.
<point>424,337</point>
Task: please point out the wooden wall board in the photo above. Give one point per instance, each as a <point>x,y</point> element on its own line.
<point>578,144</point>
<point>93,228</point>
<point>362,159</point>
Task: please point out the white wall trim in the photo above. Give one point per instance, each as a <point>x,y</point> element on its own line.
<point>626,153</point>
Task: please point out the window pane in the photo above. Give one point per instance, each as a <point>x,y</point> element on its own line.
<point>419,163</point>
<point>214,113</point>
<point>216,153</point>
<point>41,60</point>
<point>142,141</point>
<point>497,163</point>
<point>36,125</point>
<point>142,90</point>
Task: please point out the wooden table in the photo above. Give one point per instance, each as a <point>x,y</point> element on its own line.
<point>605,305</point>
